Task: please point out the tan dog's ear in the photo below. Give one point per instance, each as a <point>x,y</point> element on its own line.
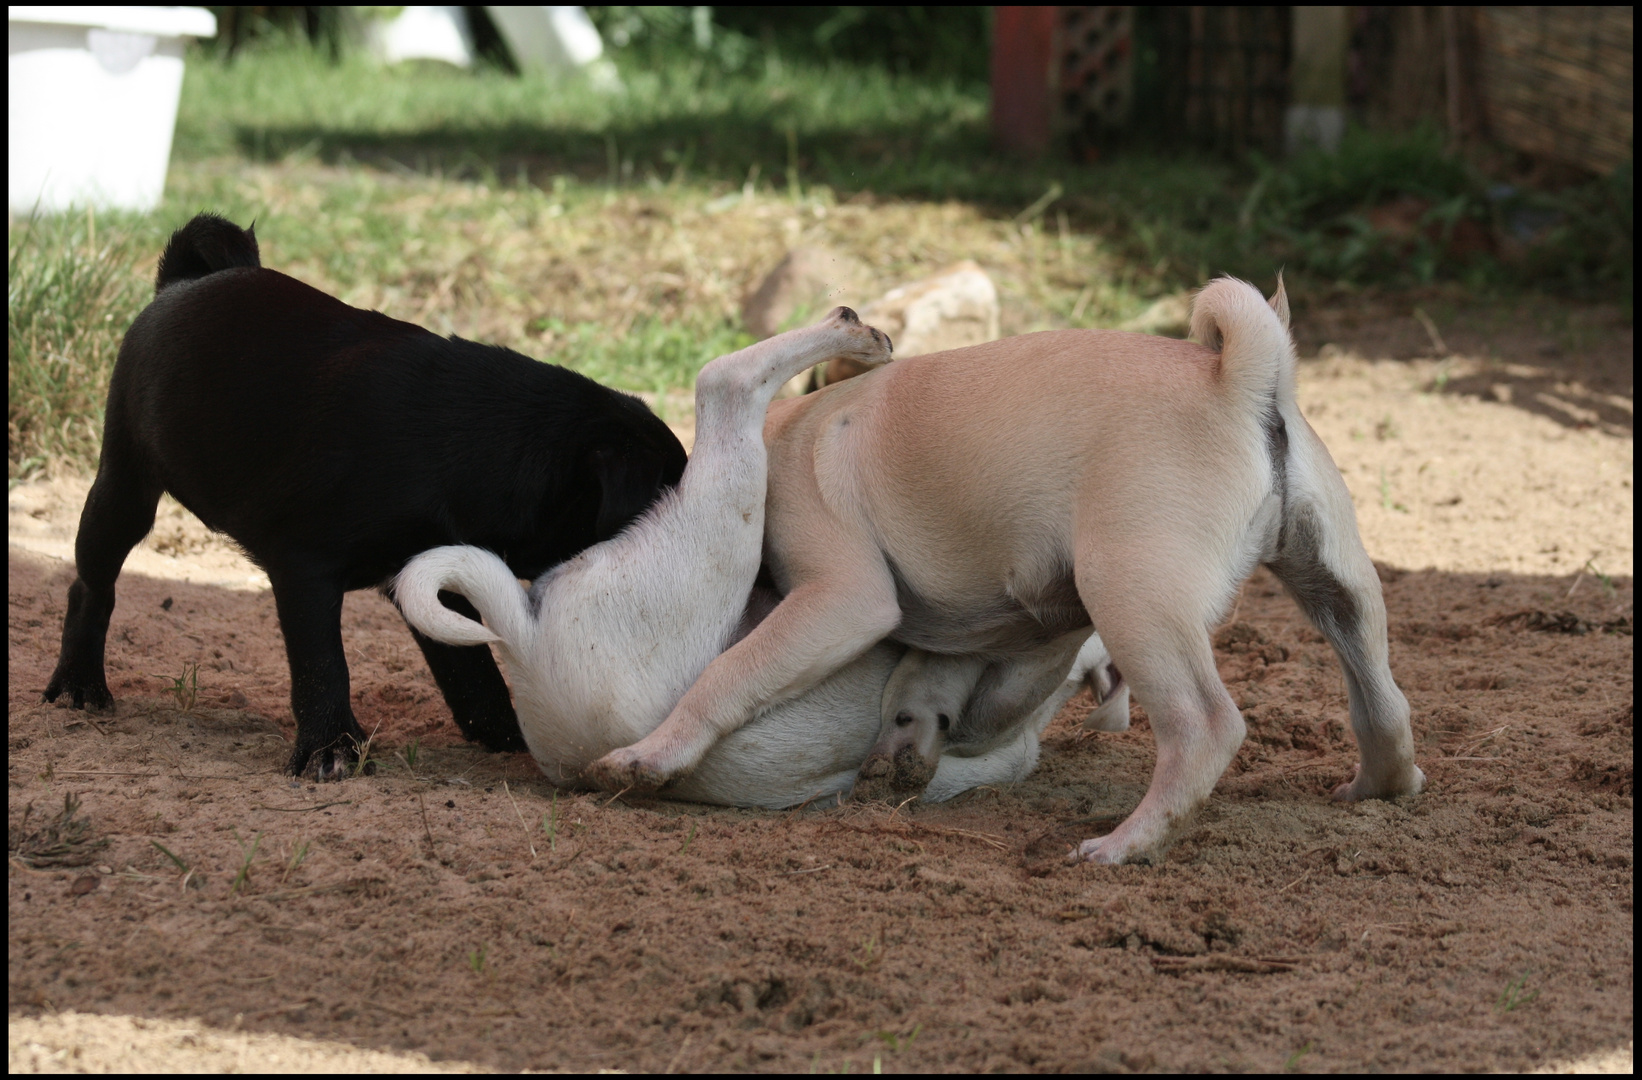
<point>1280,302</point>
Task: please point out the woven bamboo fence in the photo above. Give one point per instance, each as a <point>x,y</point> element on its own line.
<point>1557,82</point>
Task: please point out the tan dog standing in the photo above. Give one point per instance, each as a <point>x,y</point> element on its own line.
<point>995,500</point>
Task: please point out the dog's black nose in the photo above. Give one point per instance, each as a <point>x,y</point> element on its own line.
<point>903,719</point>
<point>943,721</point>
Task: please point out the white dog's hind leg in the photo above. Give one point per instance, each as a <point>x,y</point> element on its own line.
<point>1009,691</point>
<point>1016,760</point>
<point>717,531</point>
<point>1094,666</point>
<point>1008,764</point>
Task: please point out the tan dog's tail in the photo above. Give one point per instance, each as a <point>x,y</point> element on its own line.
<point>1257,361</point>
<point>478,575</point>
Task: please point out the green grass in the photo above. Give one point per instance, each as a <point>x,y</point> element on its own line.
<point>1516,994</point>
<point>607,231</point>
<point>672,120</point>
<point>683,118</point>
<point>73,285</point>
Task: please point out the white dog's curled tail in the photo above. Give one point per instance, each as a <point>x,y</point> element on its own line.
<point>478,575</point>
<point>1257,361</point>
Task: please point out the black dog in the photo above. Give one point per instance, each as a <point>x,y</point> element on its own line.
<point>333,444</point>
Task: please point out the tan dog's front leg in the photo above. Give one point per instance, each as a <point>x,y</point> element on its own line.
<point>818,628</point>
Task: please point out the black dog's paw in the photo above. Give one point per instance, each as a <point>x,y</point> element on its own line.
<point>84,692</point>
<point>507,743</point>
<point>338,761</point>
<point>500,738</point>
<point>496,729</point>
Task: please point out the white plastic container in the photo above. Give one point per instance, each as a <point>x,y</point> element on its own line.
<point>556,39</point>
<point>423,33</point>
<point>548,38</point>
<point>92,103</point>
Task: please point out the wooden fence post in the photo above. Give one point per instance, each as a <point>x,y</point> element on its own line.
<point>1023,73</point>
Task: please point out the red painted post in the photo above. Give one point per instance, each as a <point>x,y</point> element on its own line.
<point>1023,41</point>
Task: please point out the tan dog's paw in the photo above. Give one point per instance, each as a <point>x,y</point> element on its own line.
<point>1141,839</point>
<point>625,770</point>
<point>1360,787</point>
<point>1109,851</point>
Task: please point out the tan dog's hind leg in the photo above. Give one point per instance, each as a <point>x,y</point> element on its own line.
<point>1166,659</point>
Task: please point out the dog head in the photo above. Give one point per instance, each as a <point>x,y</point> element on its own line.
<point>922,701</point>
<point>638,461</point>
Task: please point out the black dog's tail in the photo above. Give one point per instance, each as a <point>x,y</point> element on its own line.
<point>206,244</point>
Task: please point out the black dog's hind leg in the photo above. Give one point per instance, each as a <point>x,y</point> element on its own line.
<point>118,513</point>
<point>310,616</point>
<point>472,685</point>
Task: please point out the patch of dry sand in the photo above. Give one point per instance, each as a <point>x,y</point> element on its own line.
<point>72,1042</point>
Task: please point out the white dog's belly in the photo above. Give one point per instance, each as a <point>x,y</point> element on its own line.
<point>808,748</point>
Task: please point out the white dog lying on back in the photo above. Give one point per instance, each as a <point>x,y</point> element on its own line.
<point>603,646</point>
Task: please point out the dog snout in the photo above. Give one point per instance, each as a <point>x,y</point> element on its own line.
<point>902,719</point>
<point>891,778</point>
<point>912,772</point>
<point>884,339</point>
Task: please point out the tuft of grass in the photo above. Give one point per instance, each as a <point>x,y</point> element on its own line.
<point>410,754</point>
<point>64,839</point>
<point>550,823</point>
<point>895,1041</point>
<point>1516,994</point>
<point>168,853</point>
<point>476,959</point>
<point>299,855</point>
<point>685,848</point>
<point>868,954</point>
<point>190,879</point>
<point>74,282</point>
<point>653,355</point>
<point>243,878</point>
<point>185,687</point>
<point>1293,1062</point>
<point>1605,580</point>
<point>1444,373</point>
<point>363,764</point>
<point>1385,492</point>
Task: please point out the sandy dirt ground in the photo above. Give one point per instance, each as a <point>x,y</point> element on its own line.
<point>196,909</point>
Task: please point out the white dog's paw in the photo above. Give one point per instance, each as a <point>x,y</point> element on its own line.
<point>1111,712</point>
<point>866,345</point>
<point>1410,781</point>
